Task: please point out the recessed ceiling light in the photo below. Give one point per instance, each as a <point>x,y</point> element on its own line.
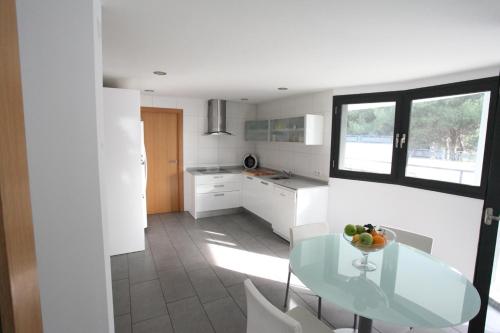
<point>282,88</point>
<point>149,90</point>
<point>159,73</point>
<point>244,99</point>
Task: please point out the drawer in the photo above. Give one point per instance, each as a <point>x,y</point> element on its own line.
<point>214,201</point>
<point>218,178</point>
<point>218,187</point>
<point>285,193</point>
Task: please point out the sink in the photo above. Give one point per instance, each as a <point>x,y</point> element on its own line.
<point>280,177</point>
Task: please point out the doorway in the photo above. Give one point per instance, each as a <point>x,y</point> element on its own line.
<point>163,141</point>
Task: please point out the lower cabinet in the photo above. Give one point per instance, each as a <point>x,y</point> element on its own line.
<point>214,201</point>
<point>284,208</point>
<point>249,196</point>
<point>281,206</point>
<point>210,193</point>
<point>264,196</point>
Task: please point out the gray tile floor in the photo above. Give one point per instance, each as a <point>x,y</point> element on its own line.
<point>190,277</point>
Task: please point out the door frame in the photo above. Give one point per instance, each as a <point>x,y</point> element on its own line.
<point>20,309</point>
<point>488,233</point>
<point>180,145</point>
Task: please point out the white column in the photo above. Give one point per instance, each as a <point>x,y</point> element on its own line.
<point>61,68</point>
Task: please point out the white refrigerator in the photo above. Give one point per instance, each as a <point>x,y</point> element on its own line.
<point>125,171</point>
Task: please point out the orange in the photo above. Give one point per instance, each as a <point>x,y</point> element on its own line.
<point>378,240</point>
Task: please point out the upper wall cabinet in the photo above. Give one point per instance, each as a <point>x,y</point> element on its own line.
<point>307,129</point>
<point>257,130</point>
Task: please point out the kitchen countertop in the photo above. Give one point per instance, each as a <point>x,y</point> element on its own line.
<point>215,171</point>
<point>295,182</point>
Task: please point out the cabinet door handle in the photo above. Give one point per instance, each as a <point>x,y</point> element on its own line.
<point>218,177</point>
<point>218,185</point>
<point>249,178</point>
<point>219,195</point>
<point>283,194</point>
<point>264,183</point>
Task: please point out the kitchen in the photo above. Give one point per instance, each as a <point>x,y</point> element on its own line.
<point>325,165</point>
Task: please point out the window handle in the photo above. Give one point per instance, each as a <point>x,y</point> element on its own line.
<point>396,140</point>
<point>489,216</point>
<point>403,140</point>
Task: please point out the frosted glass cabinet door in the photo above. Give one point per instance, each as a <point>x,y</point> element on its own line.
<point>287,130</point>
<point>257,130</point>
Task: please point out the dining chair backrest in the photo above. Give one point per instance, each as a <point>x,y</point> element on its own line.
<point>418,241</point>
<point>263,317</point>
<point>307,231</point>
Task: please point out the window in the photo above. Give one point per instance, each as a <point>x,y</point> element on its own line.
<point>434,138</point>
<point>446,138</point>
<point>366,133</point>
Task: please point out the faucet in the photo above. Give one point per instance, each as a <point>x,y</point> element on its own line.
<point>287,173</point>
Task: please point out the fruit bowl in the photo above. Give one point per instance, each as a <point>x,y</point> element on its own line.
<point>367,239</point>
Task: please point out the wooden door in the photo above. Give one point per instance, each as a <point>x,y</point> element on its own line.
<point>163,141</point>
<point>19,293</point>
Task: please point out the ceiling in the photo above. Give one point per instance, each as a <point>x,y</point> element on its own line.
<point>247,49</point>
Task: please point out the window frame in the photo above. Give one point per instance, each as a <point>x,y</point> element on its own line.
<point>403,99</point>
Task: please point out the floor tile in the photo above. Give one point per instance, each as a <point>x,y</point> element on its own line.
<point>238,294</point>
<point>333,314</point>
<point>119,267</point>
<point>207,285</point>
<point>193,260</point>
<point>175,284</point>
<point>121,297</point>
<point>154,325</point>
<point>188,316</point>
<point>123,324</point>
<point>141,267</point>
<point>165,260</point>
<point>147,300</point>
<point>229,277</point>
<point>272,290</point>
<point>225,316</point>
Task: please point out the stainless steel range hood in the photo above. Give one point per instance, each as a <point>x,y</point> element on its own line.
<point>217,117</point>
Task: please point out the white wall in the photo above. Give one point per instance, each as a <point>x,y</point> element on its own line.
<point>204,150</point>
<point>452,221</point>
<point>310,161</point>
<point>61,72</point>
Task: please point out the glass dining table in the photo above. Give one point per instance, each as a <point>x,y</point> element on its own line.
<point>408,288</point>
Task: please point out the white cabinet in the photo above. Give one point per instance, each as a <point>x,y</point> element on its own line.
<point>284,208</point>
<point>281,206</point>
<point>306,129</point>
<point>215,201</point>
<point>250,190</point>
<point>214,192</point>
<point>264,197</point>
<point>218,178</point>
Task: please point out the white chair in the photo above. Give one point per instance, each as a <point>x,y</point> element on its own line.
<point>418,241</point>
<point>296,235</point>
<point>421,242</point>
<point>263,317</point>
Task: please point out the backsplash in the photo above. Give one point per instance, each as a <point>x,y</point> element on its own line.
<point>309,161</point>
